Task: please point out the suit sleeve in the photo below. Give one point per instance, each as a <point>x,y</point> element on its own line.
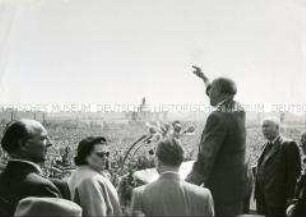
<point>62,187</point>
<point>47,190</point>
<point>293,168</point>
<point>209,211</point>
<point>211,142</point>
<point>136,200</point>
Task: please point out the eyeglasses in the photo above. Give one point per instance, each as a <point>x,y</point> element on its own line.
<point>102,154</point>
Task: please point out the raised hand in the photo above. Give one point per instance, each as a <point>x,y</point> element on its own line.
<point>198,72</point>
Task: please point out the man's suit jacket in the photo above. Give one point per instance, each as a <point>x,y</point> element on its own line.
<point>221,159</point>
<point>278,169</point>
<point>300,204</point>
<point>171,196</point>
<point>63,187</point>
<point>20,180</point>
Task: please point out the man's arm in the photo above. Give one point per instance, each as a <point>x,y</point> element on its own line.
<point>44,188</point>
<point>136,205</point>
<point>209,209</point>
<point>211,142</point>
<point>198,72</point>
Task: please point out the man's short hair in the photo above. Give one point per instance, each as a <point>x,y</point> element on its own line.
<point>85,148</point>
<point>19,130</point>
<point>170,152</point>
<point>272,119</point>
<point>225,86</point>
<point>13,133</point>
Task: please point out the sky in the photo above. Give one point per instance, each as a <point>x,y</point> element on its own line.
<point>118,51</point>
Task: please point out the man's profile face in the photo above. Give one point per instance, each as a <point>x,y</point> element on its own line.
<point>269,129</point>
<point>213,94</point>
<point>37,144</point>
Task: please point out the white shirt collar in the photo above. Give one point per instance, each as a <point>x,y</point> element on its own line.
<point>168,172</point>
<point>221,103</point>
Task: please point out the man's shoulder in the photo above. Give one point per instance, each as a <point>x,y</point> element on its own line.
<point>196,190</point>
<point>189,188</point>
<point>215,116</point>
<point>151,188</point>
<point>141,189</point>
<point>227,114</point>
<point>36,179</point>
<point>287,142</point>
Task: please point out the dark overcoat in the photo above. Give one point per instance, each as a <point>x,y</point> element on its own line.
<point>20,180</point>
<point>221,159</point>
<point>278,169</point>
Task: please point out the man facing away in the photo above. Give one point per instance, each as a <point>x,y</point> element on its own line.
<point>26,141</point>
<point>169,195</point>
<point>278,169</point>
<point>220,164</point>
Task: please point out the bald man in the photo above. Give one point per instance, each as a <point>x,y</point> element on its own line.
<point>278,169</point>
<point>26,141</point>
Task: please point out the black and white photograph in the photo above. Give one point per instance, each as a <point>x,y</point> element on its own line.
<point>152,108</point>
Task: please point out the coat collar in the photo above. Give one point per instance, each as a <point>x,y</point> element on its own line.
<point>267,155</point>
<point>169,175</point>
<point>22,165</point>
<point>229,105</point>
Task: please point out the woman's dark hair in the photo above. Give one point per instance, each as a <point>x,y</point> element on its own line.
<point>85,148</point>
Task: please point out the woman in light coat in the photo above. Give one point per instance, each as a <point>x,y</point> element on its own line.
<point>89,187</point>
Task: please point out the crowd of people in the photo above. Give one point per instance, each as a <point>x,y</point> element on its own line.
<point>216,186</point>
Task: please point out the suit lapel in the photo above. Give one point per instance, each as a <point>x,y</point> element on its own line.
<point>262,154</point>
<point>274,150</point>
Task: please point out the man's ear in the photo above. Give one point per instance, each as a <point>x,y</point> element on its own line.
<point>22,145</point>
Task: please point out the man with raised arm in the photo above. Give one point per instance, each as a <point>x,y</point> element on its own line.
<point>220,164</point>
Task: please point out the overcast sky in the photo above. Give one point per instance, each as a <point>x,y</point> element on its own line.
<point>122,50</point>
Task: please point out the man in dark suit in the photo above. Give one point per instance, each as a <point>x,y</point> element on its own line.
<point>277,171</point>
<point>26,141</point>
<point>169,195</point>
<point>221,159</point>
<point>298,208</point>
<point>303,148</point>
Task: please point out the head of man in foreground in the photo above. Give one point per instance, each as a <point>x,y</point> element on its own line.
<point>270,128</point>
<point>221,89</point>
<point>169,155</point>
<point>26,140</point>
